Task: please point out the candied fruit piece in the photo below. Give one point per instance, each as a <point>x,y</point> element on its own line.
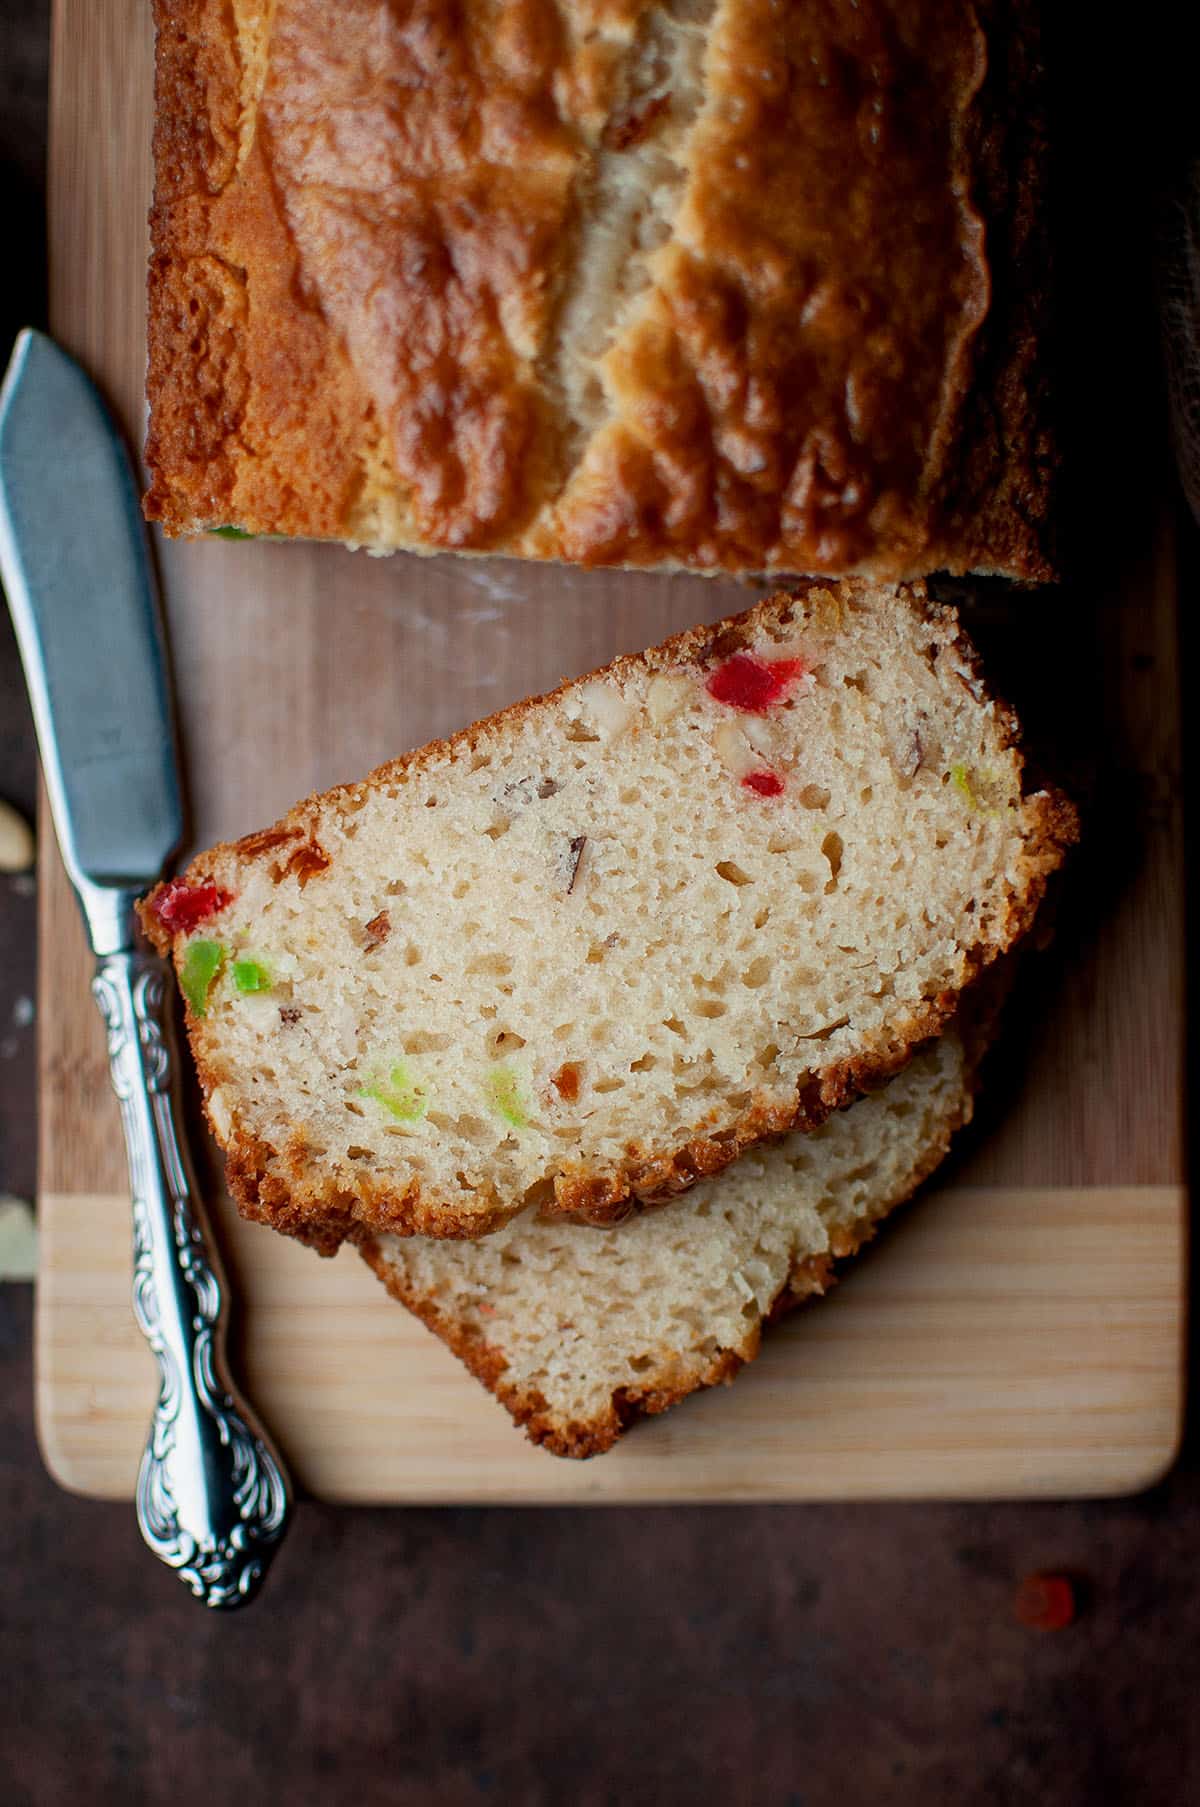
<point>960,781</point>
<point>566,1081</point>
<point>201,964</point>
<point>965,783</point>
<point>507,1095</point>
<point>402,1094</point>
<point>763,784</point>
<point>753,685</point>
<point>303,863</point>
<point>181,907</point>
<point>251,975</point>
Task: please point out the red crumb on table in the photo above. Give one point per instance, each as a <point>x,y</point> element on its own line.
<point>181,907</point>
<point>1045,1602</point>
<point>753,685</point>
<point>764,784</point>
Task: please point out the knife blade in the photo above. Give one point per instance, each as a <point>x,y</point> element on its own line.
<point>78,579</point>
<point>213,1496</point>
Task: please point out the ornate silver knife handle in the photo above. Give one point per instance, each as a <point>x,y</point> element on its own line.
<point>213,1497</point>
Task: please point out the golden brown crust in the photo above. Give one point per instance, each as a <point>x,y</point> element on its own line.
<point>279,1187</point>
<point>255,410</point>
<point>360,272</point>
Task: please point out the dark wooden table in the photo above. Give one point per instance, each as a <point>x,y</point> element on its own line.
<point>770,1655</point>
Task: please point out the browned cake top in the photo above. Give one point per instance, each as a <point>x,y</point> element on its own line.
<point>699,284</point>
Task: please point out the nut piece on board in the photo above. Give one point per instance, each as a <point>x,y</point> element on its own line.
<point>16,840</point>
<point>18,1239</point>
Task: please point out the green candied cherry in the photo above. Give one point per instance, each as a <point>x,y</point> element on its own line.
<point>508,1094</point>
<point>202,962</point>
<point>231,533</point>
<point>251,975</point>
<point>403,1094</point>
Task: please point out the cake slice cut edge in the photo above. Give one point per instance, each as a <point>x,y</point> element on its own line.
<point>587,952</point>
<point>578,1332</point>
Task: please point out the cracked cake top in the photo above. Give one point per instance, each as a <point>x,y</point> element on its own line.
<point>721,286</point>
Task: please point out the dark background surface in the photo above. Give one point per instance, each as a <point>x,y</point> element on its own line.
<point>774,1654</point>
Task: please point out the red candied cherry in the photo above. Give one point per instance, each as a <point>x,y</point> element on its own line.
<point>753,685</point>
<point>764,784</point>
<point>181,907</point>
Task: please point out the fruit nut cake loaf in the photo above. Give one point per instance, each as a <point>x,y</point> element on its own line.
<point>721,285</point>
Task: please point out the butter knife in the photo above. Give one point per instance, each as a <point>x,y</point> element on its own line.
<point>213,1497</point>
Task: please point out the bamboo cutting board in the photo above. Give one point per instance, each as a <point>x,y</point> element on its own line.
<point>1018,1332</point>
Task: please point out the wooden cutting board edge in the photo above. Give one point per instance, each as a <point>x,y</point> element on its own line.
<point>1007,1342</point>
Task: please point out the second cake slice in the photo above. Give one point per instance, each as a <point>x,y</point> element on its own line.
<point>587,951</point>
<point>579,1332</point>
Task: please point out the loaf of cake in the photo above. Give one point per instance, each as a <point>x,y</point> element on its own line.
<point>725,285</point>
<point>579,1331</point>
<point>588,951</point>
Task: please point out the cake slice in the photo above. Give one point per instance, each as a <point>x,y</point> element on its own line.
<point>578,1331</point>
<point>588,951</point>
